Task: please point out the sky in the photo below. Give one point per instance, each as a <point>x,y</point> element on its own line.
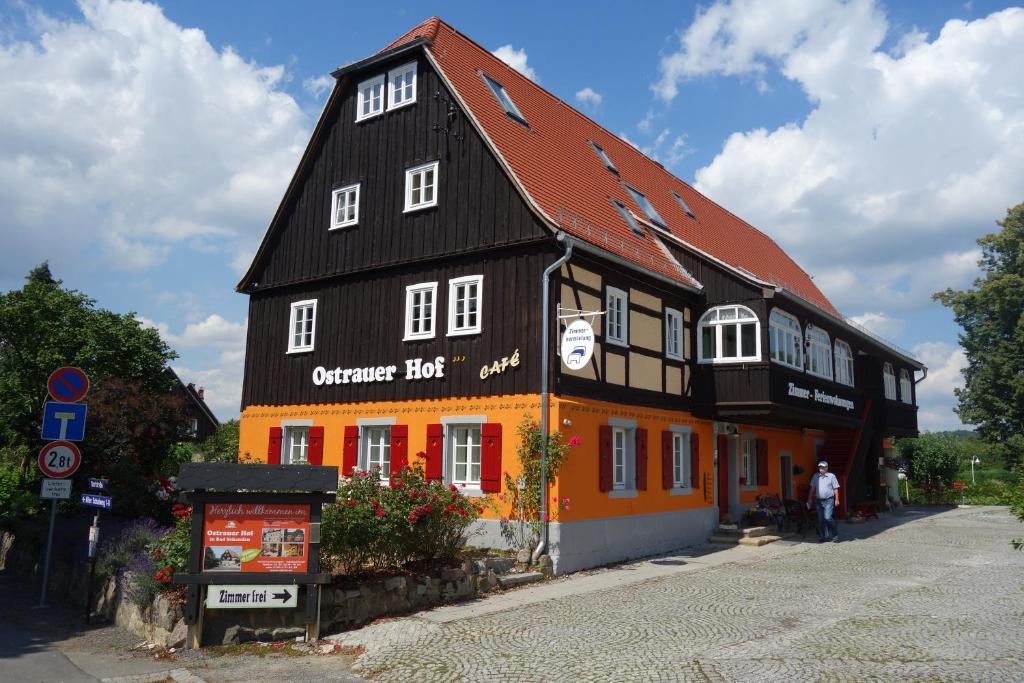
<point>145,147</point>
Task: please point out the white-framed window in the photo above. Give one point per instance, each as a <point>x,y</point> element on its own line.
<point>749,464</point>
<point>402,85</point>
<point>420,311</point>
<point>786,339</point>
<point>906,388</point>
<point>345,206</point>
<point>464,454</point>
<point>889,380</point>
<point>370,98</point>
<point>465,304</point>
<point>729,334</point>
<point>421,187</point>
<point>295,445</point>
<point>680,460</point>
<point>673,334</point>
<point>844,363</point>
<point>375,448</point>
<point>819,352</point>
<point>619,454</point>
<point>503,98</point>
<point>616,317</point>
<point>302,326</point>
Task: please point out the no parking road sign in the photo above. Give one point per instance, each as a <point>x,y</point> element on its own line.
<point>64,421</point>
<point>68,385</point>
<point>59,459</point>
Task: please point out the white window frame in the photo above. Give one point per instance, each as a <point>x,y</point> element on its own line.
<point>621,307</point>
<point>713,319</point>
<point>367,431</point>
<point>681,460</point>
<point>360,97</point>
<point>819,352</point>
<point>906,387</point>
<point>748,460</point>
<point>290,446</point>
<point>336,197</point>
<point>292,320</point>
<point>889,381</point>
<point>843,358</point>
<point>620,458</point>
<point>453,286</point>
<point>421,170</point>
<point>410,293</point>
<point>674,342</point>
<point>393,75</point>
<point>450,452</point>
<point>785,332</point>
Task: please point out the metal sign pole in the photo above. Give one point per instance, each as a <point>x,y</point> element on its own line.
<point>49,549</point>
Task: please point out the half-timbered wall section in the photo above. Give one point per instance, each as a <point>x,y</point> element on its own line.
<point>640,368</point>
<point>477,206</point>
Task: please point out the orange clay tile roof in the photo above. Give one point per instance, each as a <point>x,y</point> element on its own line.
<point>564,177</point>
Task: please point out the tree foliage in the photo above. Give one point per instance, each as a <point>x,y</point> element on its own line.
<point>222,445</point>
<point>931,458</point>
<point>991,314</point>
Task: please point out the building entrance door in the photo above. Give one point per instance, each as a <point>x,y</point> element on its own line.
<point>786,463</point>
<point>723,476</point>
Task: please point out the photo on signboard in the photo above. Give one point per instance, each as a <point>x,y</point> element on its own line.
<point>222,558</point>
<point>293,550</point>
<point>294,536</point>
<point>271,549</point>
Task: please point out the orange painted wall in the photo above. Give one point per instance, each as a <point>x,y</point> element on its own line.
<point>256,422</point>
<point>798,444</point>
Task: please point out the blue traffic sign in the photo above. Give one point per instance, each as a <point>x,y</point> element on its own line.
<point>94,501</point>
<point>68,385</point>
<point>63,421</point>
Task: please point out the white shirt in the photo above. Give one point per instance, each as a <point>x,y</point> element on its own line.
<point>824,485</point>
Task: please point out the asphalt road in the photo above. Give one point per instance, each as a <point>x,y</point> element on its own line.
<point>30,656</point>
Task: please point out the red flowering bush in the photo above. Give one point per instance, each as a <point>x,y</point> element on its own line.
<point>381,526</point>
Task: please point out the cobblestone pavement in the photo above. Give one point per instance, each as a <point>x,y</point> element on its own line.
<point>914,598</point>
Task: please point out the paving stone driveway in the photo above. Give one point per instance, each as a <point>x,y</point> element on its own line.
<point>937,597</point>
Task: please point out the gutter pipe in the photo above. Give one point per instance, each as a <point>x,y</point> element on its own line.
<point>545,334</point>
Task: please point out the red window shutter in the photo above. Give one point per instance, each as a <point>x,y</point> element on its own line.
<point>315,454</point>
<point>762,462</point>
<point>435,451</point>
<point>350,451</point>
<point>604,458</point>
<point>641,459</point>
<point>399,449</point>
<point>695,460</point>
<point>274,447</point>
<point>666,460</point>
<point>490,457</point>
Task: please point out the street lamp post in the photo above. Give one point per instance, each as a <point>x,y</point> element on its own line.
<point>975,460</point>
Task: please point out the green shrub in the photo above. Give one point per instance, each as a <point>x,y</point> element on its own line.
<point>134,540</point>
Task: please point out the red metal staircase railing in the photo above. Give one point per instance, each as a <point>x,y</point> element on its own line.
<point>840,451</point>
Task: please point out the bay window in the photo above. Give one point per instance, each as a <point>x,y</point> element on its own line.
<point>906,387</point>
<point>729,334</point>
<point>785,339</point>
<point>819,352</point>
<point>889,378</point>
<point>844,363</point>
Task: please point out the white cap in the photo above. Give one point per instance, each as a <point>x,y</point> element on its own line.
<point>822,464</point>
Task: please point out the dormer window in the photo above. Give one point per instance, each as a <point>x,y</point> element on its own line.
<point>370,98</point>
<point>402,85</point>
<point>628,217</point>
<point>646,206</point>
<point>682,203</point>
<point>604,157</point>
<point>503,99</point>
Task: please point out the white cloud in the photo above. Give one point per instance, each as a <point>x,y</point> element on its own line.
<point>223,386</point>
<point>589,96</point>
<point>213,332</point>
<point>904,159</point>
<point>880,323</point>
<point>935,394</point>
<point>666,148</point>
<point>517,60</point>
<point>125,130</point>
<point>318,85</point>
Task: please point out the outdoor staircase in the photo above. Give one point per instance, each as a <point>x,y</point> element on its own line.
<point>840,451</point>
<point>753,535</point>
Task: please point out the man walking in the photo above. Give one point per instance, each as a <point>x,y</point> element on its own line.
<point>825,489</point>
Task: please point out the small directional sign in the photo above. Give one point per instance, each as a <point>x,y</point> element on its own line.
<point>59,459</point>
<point>250,596</point>
<point>94,501</point>
<point>98,484</point>
<point>64,421</point>
<point>59,489</point>
<point>68,385</point>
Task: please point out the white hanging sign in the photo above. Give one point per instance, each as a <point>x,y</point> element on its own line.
<point>577,344</point>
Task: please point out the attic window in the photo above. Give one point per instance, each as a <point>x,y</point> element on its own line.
<point>682,203</point>
<point>503,99</point>
<point>604,157</point>
<point>647,207</point>
<point>627,216</point>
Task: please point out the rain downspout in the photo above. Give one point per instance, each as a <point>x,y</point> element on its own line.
<point>545,354</point>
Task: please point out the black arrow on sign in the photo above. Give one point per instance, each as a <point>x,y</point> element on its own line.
<point>283,597</point>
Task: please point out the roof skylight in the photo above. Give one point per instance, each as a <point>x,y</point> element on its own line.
<point>627,216</point>
<point>647,207</point>
<point>604,157</point>
<point>503,99</point>
<point>682,203</point>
